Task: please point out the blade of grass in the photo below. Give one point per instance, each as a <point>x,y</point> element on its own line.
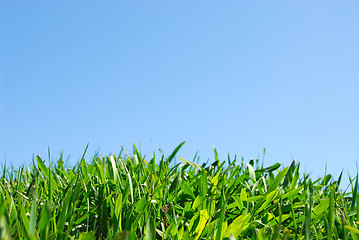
<point>331,213</point>
<point>32,225</point>
<point>169,159</point>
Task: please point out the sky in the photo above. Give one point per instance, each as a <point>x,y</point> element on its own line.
<point>237,75</point>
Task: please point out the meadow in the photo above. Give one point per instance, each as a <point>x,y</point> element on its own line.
<point>167,197</point>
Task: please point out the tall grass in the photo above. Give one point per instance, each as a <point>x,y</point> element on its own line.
<point>128,197</point>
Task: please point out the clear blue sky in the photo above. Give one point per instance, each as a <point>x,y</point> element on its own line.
<point>239,75</point>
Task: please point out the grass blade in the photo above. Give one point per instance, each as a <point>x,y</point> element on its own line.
<point>169,159</point>
<point>150,229</point>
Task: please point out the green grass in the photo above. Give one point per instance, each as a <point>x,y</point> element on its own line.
<point>128,197</point>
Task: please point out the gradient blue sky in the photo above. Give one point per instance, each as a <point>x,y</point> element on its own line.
<point>239,75</point>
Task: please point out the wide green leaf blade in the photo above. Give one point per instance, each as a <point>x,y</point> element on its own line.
<point>169,159</point>
<point>150,229</point>
<point>278,179</point>
<point>203,184</point>
<point>33,213</point>
<point>238,225</point>
<point>42,166</point>
<point>44,223</point>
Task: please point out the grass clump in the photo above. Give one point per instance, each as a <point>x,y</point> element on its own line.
<point>127,197</point>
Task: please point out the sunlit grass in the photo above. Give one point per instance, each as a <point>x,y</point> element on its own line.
<point>127,197</point>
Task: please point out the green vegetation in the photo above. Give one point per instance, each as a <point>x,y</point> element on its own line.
<point>127,197</point>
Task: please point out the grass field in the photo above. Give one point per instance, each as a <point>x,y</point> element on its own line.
<point>166,197</point>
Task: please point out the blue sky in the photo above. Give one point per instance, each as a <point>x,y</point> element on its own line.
<point>239,75</point>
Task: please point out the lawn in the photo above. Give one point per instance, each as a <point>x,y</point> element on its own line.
<point>167,197</point>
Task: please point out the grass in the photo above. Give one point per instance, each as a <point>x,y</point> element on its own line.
<point>128,197</point>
